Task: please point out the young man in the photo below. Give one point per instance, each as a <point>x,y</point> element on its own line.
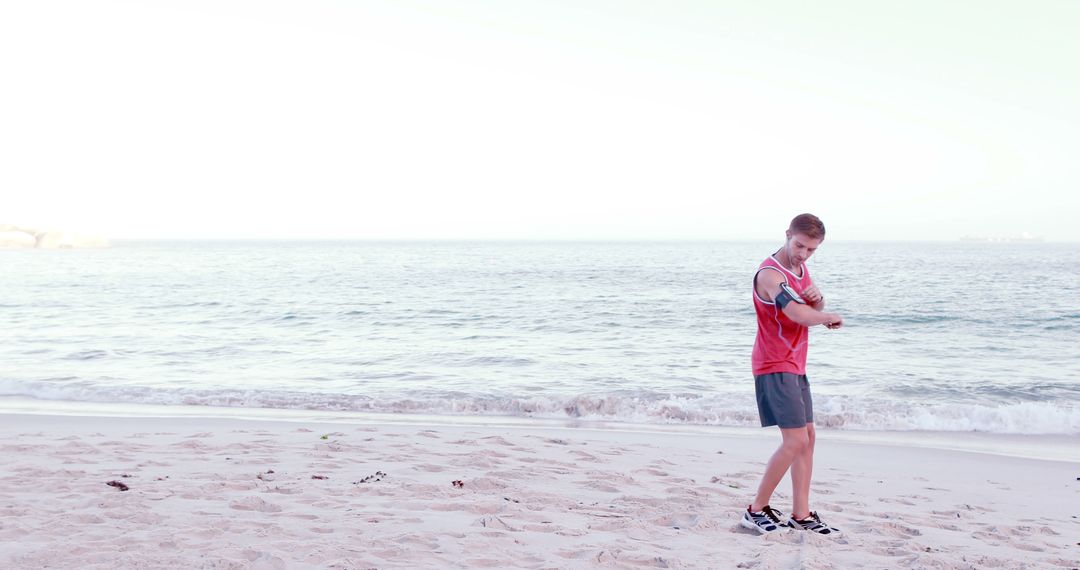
<point>787,304</point>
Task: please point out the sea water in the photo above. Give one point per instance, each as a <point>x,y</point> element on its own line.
<point>938,336</point>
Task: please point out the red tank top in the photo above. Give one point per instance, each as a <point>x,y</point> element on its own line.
<point>781,343</point>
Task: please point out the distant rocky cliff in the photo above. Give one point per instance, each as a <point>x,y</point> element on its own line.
<point>12,236</point>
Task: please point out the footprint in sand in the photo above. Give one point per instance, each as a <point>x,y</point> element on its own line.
<point>572,532</point>
<point>575,554</point>
<point>445,507</point>
<point>426,543</point>
<point>1030,547</point>
<point>1025,531</point>
<point>897,530</point>
<point>890,550</point>
<point>264,561</point>
<point>198,445</point>
<point>584,456</point>
<point>485,484</point>
<point>530,459</point>
<point>599,486</point>
<point>641,534</point>
<point>541,527</point>
<point>254,504</point>
<point>484,562</point>
<point>503,475</point>
<point>676,521</point>
<point>87,519</point>
<point>430,468</point>
<point>284,490</point>
<point>494,522</point>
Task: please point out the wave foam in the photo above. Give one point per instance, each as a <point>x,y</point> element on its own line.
<point>838,412</point>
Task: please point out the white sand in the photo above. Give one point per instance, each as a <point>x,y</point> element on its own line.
<point>202,496</point>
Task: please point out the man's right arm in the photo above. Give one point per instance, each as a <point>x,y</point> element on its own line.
<point>768,288</point>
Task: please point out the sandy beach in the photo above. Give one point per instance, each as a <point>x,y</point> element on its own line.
<point>232,493</point>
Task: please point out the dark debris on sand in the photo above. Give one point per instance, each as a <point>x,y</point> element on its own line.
<point>378,476</point>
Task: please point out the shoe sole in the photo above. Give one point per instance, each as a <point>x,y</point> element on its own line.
<point>792,526</point>
<point>750,525</point>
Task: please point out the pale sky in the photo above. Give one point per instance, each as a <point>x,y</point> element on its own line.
<point>507,119</point>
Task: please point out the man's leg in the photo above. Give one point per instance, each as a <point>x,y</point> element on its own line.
<point>802,470</point>
<point>793,445</point>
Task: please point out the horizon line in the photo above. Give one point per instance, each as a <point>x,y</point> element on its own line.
<point>568,240</point>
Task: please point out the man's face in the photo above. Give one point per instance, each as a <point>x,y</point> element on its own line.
<point>800,247</point>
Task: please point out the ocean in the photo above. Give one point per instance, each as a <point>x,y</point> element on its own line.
<point>948,337</point>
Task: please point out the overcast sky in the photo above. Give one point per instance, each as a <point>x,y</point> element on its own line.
<point>545,119</point>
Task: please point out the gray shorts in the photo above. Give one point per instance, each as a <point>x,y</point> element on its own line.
<point>783,399</point>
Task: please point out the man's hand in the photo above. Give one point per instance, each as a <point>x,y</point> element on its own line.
<point>836,323</point>
<point>812,295</point>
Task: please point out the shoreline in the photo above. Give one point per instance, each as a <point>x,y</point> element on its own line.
<point>1052,447</point>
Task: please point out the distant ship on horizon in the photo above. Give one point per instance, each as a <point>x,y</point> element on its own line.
<point>1024,237</point>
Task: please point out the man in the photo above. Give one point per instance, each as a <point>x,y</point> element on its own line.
<point>787,304</point>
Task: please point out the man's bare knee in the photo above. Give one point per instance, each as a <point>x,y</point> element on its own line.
<point>796,440</point>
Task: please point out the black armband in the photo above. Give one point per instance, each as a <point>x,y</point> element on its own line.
<point>787,295</point>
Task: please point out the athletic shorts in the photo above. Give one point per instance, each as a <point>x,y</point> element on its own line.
<point>783,399</point>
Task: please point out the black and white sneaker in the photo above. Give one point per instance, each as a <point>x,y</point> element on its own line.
<point>766,520</point>
<point>812,523</point>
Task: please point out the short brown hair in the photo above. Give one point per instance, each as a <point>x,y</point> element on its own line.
<point>808,225</point>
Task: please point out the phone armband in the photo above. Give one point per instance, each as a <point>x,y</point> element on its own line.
<point>788,295</point>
